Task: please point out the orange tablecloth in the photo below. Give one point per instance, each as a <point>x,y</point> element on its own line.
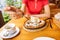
<point>24,35</point>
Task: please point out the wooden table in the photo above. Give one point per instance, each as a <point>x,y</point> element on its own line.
<point>24,35</point>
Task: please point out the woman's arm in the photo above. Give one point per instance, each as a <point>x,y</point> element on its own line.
<point>23,8</point>
<point>46,12</point>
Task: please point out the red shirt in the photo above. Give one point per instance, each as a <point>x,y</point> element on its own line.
<point>35,6</point>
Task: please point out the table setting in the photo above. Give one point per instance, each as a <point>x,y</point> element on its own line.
<point>31,29</point>
<point>35,24</point>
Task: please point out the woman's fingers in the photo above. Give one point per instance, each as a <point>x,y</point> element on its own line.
<point>27,16</point>
<point>7,8</point>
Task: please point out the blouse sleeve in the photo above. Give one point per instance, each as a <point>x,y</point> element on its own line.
<point>24,1</point>
<point>45,2</point>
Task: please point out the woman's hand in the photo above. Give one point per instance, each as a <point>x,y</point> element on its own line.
<point>27,16</point>
<point>42,17</point>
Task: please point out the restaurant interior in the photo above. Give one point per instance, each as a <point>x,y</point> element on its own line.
<point>17,27</point>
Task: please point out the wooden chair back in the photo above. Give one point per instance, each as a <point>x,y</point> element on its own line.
<point>1,20</point>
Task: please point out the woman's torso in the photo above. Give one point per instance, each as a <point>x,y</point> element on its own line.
<point>34,6</point>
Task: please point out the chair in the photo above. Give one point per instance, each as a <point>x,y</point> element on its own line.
<point>1,20</point>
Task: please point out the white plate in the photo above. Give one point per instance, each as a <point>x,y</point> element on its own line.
<point>44,38</point>
<point>36,29</point>
<point>11,36</point>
